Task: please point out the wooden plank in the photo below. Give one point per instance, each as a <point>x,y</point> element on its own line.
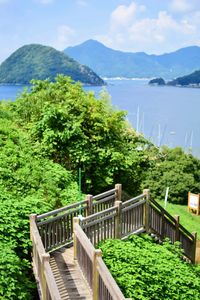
<point>104,194</point>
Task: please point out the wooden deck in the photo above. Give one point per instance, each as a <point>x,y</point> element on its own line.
<point>68,276</point>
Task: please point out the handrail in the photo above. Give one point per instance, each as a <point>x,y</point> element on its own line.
<point>59,210</point>
<point>102,284</point>
<point>41,264</point>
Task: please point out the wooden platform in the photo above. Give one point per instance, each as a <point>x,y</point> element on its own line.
<point>68,276</point>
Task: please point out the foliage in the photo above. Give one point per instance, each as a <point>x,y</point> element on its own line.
<point>174,169</point>
<point>78,131</point>
<point>187,219</point>
<point>146,270</point>
<point>29,183</point>
<point>14,283</point>
<point>42,62</point>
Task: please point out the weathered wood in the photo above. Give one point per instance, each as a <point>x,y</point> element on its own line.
<point>146,193</point>
<point>75,221</point>
<point>95,283</point>
<point>102,195</point>
<point>89,199</point>
<point>118,229</point>
<point>177,235</point>
<point>118,192</point>
<point>194,247</point>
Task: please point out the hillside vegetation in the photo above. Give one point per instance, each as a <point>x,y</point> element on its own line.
<point>41,62</point>
<point>149,271</point>
<point>48,134</point>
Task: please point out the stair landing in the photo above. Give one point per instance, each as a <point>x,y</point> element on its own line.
<point>68,276</point>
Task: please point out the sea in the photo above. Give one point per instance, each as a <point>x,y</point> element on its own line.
<point>165,115</point>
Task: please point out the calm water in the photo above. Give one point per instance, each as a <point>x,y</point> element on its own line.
<point>166,115</point>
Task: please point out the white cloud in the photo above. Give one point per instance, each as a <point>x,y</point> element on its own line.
<point>65,36</point>
<point>181,6</point>
<point>122,15</point>
<point>131,29</point>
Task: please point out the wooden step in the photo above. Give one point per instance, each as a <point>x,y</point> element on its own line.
<point>68,276</point>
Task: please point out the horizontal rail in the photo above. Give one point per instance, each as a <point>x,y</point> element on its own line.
<point>103,200</point>
<point>59,210</point>
<point>86,244</point>
<point>102,195</point>
<point>132,200</point>
<point>133,205</point>
<point>99,214</point>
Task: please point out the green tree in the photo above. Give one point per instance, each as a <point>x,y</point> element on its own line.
<point>174,169</point>
<point>78,131</point>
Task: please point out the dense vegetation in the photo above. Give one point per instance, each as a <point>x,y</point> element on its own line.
<point>174,169</point>
<point>192,79</point>
<point>113,63</point>
<point>148,271</point>
<point>187,219</point>
<point>42,62</point>
<point>48,134</point>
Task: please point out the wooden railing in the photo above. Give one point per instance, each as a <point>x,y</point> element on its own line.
<point>56,227</point>
<point>90,260</point>
<point>166,226</point>
<point>108,218</point>
<point>41,266</point>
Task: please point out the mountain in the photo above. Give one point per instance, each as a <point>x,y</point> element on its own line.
<point>188,80</point>
<point>40,62</point>
<point>113,63</point>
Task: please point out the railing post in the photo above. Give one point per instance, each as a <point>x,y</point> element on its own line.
<point>177,235</point>
<point>44,287</point>
<point>32,218</point>
<point>76,220</point>
<point>194,247</point>
<point>146,193</point>
<point>89,199</point>
<point>118,219</point>
<point>95,283</point>
<point>118,192</point>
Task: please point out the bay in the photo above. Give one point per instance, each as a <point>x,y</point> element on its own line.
<point>165,115</point>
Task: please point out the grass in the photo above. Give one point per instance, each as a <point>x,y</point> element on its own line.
<point>190,221</point>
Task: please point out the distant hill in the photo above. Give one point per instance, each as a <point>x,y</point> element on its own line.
<point>188,80</point>
<point>40,62</point>
<point>113,63</point>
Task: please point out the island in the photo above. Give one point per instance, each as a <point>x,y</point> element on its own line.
<point>191,80</point>
<point>36,61</point>
<point>157,81</point>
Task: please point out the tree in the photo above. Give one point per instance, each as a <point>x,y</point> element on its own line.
<point>78,131</point>
<point>178,171</point>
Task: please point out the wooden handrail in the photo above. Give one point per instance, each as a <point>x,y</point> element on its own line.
<point>113,292</point>
<point>41,264</point>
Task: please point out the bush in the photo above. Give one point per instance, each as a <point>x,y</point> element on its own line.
<point>149,271</point>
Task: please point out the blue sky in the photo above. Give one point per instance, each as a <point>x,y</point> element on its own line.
<point>152,26</point>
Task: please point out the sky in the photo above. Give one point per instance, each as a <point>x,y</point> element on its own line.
<point>151,26</point>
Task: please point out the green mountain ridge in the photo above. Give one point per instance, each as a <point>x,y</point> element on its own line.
<point>36,61</point>
<point>108,62</point>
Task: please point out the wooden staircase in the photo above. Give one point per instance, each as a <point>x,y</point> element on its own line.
<point>68,276</point>
<point>79,272</point>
